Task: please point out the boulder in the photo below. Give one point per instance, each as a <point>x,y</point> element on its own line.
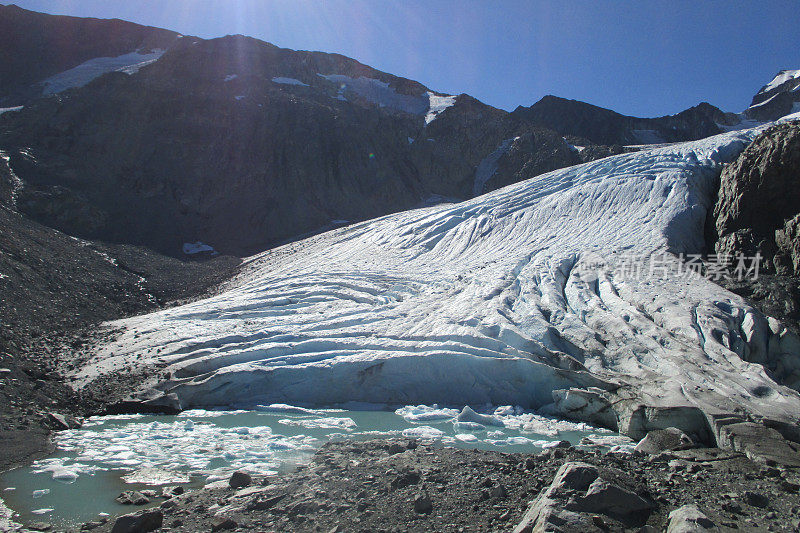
<point>760,443</point>
<point>758,193</point>
<point>755,499</point>
<point>169,492</point>
<point>607,498</point>
<point>140,522</point>
<point>423,503</point>
<point>239,480</point>
<point>219,523</point>
<point>575,476</point>
<point>132,497</point>
<point>662,440</point>
<point>59,421</point>
<point>689,519</point>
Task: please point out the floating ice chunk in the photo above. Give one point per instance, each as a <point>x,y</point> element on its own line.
<point>42,511</point>
<point>64,475</point>
<point>468,415</point>
<point>284,408</point>
<point>156,476</point>
<point>496,434</point>
<point>518,441</point>
<point>423,432</point>
<point>188,425</point>
<point>466,437</point>
<point>507,410</point>
<point>40,492</point>
<point>608,441</point>
<point>321,423</point>
<point>468,426</point>
<point>231,77</point>
<point>239,97</point>
<point>424,413</point>
<point>551,444</point>
<point>288,81</point>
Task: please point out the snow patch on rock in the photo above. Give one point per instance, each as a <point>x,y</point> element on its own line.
<point>437,104</point>
<point>94,68</point>
<point>488,166</point>
<point>192,248</point>
<point>10,109</point>
<point>288,81</point>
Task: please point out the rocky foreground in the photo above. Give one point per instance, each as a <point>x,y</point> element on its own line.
<point>406,485</point>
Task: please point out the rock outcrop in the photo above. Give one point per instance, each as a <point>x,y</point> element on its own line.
<point>759,201</point>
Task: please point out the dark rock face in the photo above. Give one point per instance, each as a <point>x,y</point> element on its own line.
<point>606,127</point>
<point>757,211</point>
<point>36,46</point>
<point>203,145</point>
<point>759,201</point>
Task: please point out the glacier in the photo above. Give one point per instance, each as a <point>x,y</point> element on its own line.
<point>517,297</point>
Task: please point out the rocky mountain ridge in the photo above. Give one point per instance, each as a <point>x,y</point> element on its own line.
<point>239,144</point>
<point>603,126</point>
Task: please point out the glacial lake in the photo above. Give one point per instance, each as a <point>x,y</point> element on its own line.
<point>108,455</point>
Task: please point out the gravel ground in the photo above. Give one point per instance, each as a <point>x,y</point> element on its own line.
<point>402,485</point>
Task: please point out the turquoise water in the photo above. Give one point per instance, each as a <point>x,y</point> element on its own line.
<point>109,455</point>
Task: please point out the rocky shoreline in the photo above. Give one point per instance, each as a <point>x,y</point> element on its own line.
<point>408,485</point>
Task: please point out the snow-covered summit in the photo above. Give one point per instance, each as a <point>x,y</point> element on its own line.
<point>781,78</point>
<point>488,301</point>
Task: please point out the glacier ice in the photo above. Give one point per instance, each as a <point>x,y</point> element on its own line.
<point>484,302</point>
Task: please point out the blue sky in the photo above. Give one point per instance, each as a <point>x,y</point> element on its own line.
<point>645,58</point>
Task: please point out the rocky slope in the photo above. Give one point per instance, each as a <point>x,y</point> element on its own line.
<point>36,46</point>
<point>52,288</point>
